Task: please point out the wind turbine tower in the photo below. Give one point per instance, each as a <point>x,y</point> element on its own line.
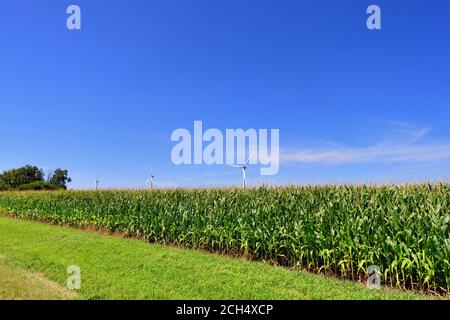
<point>243,167</point>
<point>151,178</point>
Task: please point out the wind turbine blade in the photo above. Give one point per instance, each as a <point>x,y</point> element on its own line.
<point>151,169</point>
<point>249,158</point>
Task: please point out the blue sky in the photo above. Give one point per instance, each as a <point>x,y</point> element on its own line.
<point>352,105</point>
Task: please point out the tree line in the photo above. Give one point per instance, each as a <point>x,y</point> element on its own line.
<point>33,178</point>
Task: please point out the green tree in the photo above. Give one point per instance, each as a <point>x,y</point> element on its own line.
<point>60,178</point>
<point>3,185</point>
<point>24,175</point>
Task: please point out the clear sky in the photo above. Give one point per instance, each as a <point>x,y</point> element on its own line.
<point>351,104</point>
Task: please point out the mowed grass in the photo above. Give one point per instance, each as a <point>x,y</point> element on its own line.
<point>17,283</point>
<point>117,268</point>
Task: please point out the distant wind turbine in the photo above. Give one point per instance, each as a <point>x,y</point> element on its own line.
<point>243,167</point>
<point>151,178</point>
<point>97,181</point>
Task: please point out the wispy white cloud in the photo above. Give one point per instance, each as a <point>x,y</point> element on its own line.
<point>405,143</point>
<point>380,153</point>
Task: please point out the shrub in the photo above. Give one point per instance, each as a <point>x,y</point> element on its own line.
<point>36,186</point>
<point>3,186</point>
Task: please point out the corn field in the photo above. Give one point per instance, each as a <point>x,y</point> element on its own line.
<point>332,229</point>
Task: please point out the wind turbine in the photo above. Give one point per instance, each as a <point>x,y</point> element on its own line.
<point>151,178</point>
<point>97,181</point>
<point>244,175</point>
